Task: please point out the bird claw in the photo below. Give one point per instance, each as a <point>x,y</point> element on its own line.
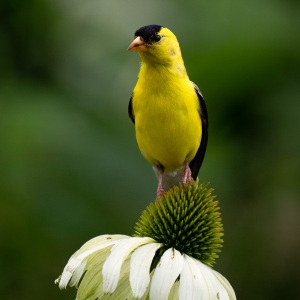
<point>160,192</point>
<point>187,175</point>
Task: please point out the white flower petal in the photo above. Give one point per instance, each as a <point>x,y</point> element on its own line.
<point>90,286</point>
<point>98,243</point>
<point>79,256</point>
<point>192,283</point>
<point>174,291</point>
<point>140,264</point>
<point>198,281</point>
<point>214,287</point>
<point>165,274</point>
<point>112,266</point>
<point>227,285</point>
<point>77,274</point>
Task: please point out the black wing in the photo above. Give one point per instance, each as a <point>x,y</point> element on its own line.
<point>196,163</point>
<point>130,110</point>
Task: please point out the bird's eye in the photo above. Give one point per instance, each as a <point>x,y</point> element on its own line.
<point>157,37</point>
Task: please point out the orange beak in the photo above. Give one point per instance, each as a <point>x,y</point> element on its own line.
<point>137,45</point>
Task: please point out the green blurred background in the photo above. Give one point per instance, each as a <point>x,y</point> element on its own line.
<point>70,168</point>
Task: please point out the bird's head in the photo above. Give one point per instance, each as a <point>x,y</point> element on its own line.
<point>156,43</point>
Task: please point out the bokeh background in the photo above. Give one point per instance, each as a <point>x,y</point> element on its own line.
<point>70,168</point>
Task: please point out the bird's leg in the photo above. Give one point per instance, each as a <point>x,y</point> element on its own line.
<point>160,190</point>
<point>187,175</point>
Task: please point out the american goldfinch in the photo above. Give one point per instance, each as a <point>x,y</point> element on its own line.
<point>168,109</point>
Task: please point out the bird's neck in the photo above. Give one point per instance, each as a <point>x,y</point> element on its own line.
<point>153,70</point>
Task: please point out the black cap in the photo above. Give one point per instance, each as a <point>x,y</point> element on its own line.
<point>149,33</point>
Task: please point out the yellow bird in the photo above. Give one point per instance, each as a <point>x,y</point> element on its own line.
<point>168,109</point>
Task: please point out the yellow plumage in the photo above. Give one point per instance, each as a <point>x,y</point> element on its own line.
<point>165,106</point>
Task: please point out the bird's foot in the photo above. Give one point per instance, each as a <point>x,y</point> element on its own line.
<point>187,175</point>
<point>160,192</point>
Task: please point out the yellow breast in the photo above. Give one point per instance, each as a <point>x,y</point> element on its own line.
<point>167,121</point>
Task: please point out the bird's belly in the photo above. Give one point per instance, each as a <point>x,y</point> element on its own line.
<point>169,138</point>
